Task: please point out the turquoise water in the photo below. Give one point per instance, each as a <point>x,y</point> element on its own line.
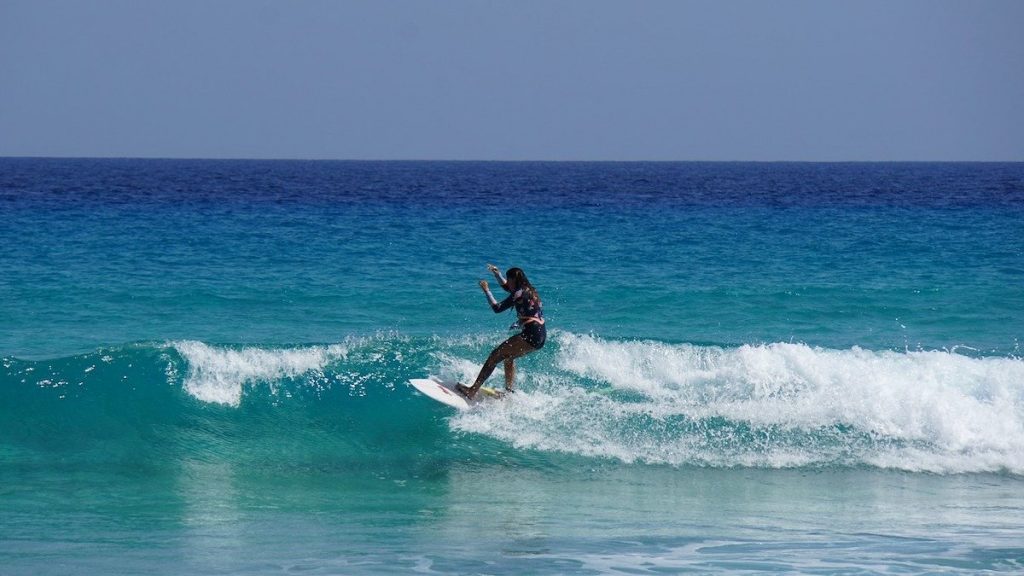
<point>752,367</point>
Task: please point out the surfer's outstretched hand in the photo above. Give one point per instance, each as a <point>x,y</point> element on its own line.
<point>484,286</point>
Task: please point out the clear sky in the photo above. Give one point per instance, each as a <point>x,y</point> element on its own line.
<point>516,80</point>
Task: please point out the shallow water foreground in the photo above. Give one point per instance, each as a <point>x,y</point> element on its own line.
<point>506,519</point>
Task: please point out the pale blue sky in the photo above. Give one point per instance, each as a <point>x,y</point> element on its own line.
<point>546,80</point>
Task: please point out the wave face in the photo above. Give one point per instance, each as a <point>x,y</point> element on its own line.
<point>634,402</point>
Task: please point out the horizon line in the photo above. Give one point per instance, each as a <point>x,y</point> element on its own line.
<point>503,161</point>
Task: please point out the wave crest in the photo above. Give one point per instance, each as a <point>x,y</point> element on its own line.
<point>220,374</point>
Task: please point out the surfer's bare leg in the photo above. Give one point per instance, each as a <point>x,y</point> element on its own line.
<point>514,347</point>
<point>510,373</point>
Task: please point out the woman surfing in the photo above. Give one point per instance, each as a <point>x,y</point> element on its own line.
<point>532,333</point>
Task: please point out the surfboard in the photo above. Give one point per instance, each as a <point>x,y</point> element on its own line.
<point>444,392</point>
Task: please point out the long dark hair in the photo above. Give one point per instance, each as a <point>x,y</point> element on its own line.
<point>517,276</point>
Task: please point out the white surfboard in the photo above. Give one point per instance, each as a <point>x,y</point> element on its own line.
<point>444,392</point>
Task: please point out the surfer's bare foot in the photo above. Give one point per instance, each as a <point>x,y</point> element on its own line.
<point>465,391</point>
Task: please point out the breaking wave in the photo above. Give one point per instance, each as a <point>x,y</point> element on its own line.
<point>777,405</point>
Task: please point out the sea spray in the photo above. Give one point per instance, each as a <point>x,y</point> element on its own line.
<point>774,405</point>
<point>220,374</point>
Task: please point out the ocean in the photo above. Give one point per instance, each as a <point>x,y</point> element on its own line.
<point>751,367</point>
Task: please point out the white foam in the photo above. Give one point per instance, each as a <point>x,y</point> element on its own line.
<point>219,374</point>
<point>931,411</point>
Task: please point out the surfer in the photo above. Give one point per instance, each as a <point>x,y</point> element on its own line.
<point>530,322</point>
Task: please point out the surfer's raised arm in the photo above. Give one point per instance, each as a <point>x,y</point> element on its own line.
<point>505,305</point>
<point>497,276</point>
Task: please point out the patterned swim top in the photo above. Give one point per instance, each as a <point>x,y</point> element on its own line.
<point>528,306</point>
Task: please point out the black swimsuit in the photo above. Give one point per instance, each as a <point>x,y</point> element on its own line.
<point>535,333</point>
<point>531,316</point>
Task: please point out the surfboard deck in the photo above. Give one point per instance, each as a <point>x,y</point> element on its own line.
<point>444,392</point>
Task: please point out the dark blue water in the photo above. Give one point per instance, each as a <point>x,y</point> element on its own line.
<point>794,367</point>
<point>878,255</point>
